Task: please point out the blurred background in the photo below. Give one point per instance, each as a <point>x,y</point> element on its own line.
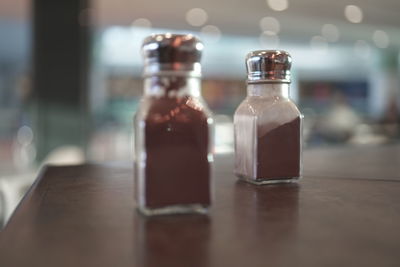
<point>70,73</point>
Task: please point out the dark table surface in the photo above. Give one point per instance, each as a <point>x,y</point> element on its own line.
<point>344,212</point>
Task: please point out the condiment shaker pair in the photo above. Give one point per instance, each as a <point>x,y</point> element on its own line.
<point>173,127</point>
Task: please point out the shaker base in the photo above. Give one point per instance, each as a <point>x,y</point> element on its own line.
<point>267,181</point>
<point>175,209</point>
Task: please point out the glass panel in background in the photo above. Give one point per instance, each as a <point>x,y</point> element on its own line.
<point>17,146</point>
<point>344,87</point>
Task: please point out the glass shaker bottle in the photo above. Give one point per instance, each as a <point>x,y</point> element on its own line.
<point>172,129</point>
<point>267,123</point>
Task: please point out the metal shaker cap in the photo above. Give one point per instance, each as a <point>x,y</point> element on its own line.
<point>172,54</point>
<point>268,66</point>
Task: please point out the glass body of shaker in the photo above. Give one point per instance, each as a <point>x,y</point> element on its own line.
<point>173,129</point>
<point>268,139</point>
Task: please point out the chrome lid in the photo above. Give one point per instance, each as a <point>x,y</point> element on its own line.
<point>268,66</point>
<point>172,54</point>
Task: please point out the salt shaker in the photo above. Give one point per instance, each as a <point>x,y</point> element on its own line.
<point>172,129</point>
<point>267,123</point>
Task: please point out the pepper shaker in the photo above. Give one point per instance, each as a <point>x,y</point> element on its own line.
<point>172,129</point>
<point>267,123</point>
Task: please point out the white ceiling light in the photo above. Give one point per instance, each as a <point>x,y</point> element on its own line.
<point>270,24</point>
<point>381,39</point>
<point>278,5</point>
<point>353,13</point>
<point>196,17</point>
<point>330,32</point>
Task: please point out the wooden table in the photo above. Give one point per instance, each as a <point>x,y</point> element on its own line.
<point>344,212</point>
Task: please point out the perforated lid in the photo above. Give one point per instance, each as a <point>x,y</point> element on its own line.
<point>166,53</point>
<point>268,66</point>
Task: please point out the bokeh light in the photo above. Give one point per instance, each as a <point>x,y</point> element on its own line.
<point>270,24</point>
<point>362,49</point>
<point>353,13</point>
<point>269,40</point>
<point>330,32</point>
<point>319,43</point>
<point>211,33</point>
<point>381,39</point>
<point>278,5</point>
<point>196,17</point>
<point>141,23</point>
